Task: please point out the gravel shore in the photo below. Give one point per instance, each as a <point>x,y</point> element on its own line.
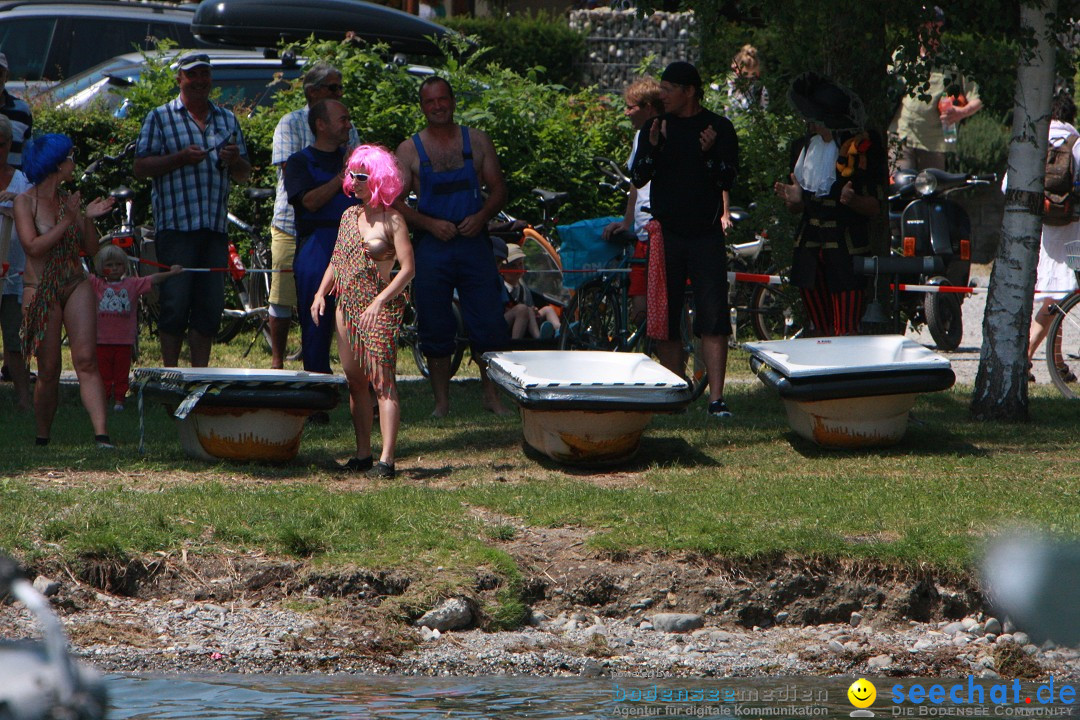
<point>590,615</point>
<point>153,635</point>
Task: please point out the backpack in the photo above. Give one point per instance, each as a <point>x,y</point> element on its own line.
<point>1059,183</point>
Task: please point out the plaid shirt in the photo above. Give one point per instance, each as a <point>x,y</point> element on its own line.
<point>194,197</point>
<point>292,135</point>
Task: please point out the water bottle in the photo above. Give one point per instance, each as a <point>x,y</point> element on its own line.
<point>947,128</point>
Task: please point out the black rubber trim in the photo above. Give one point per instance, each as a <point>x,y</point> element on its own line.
<point>325,398</point>
<point>839,387</point>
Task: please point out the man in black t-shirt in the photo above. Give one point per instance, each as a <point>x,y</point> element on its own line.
<point>691,155</point>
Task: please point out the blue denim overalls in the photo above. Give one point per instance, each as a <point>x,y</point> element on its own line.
<point>466,264</point>
<point>312,258</point>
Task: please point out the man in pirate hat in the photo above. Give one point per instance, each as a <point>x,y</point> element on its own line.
<point>837,181</point>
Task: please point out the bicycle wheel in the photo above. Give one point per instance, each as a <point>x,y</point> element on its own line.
<point>232,321</point>
<point>543,266</point>
<point>258,284</point>
<point>774,312</point>
<point>591,319</point>
<point>1063,347</point>
<point>694,369</point>
<point>693,358</point>
<point>461,341</point>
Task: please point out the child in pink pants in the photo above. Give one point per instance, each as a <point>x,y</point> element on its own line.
<point>117,317</point>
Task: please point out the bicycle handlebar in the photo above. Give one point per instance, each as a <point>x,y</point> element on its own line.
<point>610,169</point>
<point>111,160</point>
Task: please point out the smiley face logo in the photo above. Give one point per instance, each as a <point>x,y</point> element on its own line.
<point>862,693</point>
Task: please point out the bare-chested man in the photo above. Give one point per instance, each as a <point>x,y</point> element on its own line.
<point>447,166</point>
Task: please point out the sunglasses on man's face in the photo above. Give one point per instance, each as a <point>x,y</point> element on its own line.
<point>333,87</point>
<point>359,176</point>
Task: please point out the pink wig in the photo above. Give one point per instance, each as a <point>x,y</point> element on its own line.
<point>384,180</point>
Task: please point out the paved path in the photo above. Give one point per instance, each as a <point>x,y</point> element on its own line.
<point>965,360</point>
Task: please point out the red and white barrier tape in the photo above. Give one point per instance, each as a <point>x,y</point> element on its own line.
<point>962,290</point>
<point>958,290</point>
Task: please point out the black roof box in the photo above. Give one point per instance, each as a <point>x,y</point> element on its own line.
<point>264,23</point>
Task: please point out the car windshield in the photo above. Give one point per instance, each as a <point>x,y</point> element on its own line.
<point>238,79</point>
<point>22,41</point>
<point>123,70</point>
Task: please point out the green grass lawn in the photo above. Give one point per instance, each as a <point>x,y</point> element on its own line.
<point>745,488</point>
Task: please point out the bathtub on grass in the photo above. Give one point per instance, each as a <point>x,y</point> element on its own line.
<point>586,407</point>
<point>239,414</point>
<point>849,392</point>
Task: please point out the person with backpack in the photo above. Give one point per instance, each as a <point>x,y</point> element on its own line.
<point>1055,279</point>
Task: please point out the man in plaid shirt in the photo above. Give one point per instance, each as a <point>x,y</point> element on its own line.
<point>293,134</point>
<point>191,149</point>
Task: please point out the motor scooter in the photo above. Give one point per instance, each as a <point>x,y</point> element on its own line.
<point>930,245</point>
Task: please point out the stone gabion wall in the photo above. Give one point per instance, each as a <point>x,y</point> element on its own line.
<point>619,40</point>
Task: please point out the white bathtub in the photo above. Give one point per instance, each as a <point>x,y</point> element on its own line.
<point>850,392</point>
<point>237,413</point>
<point>585,407</point>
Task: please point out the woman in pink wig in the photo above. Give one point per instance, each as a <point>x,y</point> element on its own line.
<point>372,237</point>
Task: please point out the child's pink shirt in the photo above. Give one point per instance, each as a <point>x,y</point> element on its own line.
<point>117,308</point>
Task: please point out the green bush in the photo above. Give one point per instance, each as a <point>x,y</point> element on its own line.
<point>982,145</point>
<point>991,62</point>
<point>529,42</point>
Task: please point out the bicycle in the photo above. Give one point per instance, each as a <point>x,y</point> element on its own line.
<point>598,317</point>
<point>543,273</point>
<point>769,308</point>
<point>408,336</point>
<point>539,242</point>
<point>1063,339</point>
<point>247,294</point>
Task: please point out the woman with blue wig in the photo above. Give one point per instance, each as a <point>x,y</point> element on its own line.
<point>53,228</point>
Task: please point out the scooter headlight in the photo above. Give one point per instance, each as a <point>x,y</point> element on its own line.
<point>925,183</point>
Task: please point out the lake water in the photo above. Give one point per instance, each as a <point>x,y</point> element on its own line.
<point>252,697</point>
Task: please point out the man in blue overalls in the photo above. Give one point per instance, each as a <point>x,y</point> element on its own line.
<point>446,165</point>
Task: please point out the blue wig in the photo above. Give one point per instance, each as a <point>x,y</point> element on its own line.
<point>43,155</point>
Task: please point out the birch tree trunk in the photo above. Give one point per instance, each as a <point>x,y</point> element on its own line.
<point>1001,383</point>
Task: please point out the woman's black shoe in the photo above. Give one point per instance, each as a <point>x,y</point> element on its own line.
<point>356,464</point>
<point>383,470</point>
